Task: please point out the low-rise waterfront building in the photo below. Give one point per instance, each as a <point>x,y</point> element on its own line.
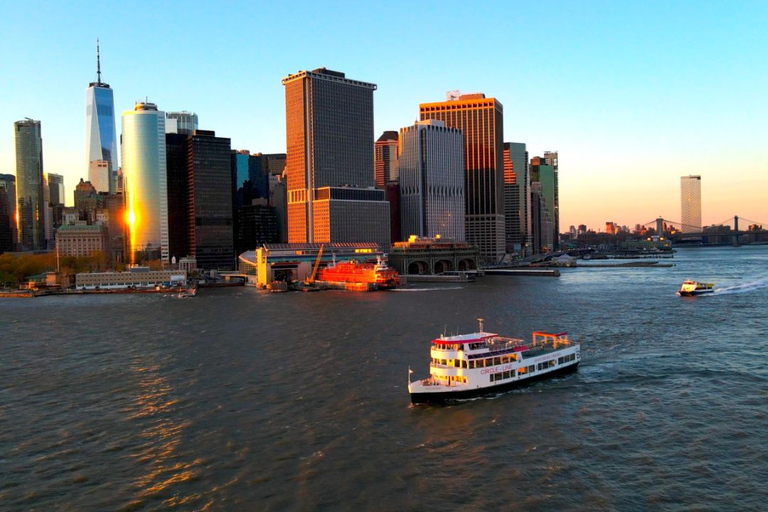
<point>138,277</point>
<point>433,256</point>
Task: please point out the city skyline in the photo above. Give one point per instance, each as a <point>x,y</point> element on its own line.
<point>634,96</point>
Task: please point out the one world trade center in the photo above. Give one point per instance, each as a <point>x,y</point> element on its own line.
<point>100,138</point>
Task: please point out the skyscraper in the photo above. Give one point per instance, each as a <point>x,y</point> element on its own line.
<point>482,121</point>
<point>177,182</point>
<point>432,181</point>
<point>690,204</point>
<point>517,198</point>
<point>546,176</point>
<point>550,157</point>
<point>145,175</point>
<point>30,184</point>
<point>100,138</point>
<point>209,222</point>
<point>385,166</point>
<point>56,189</point>
<point>329,168</point>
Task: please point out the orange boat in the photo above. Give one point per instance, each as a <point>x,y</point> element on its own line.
<point>355,272</point>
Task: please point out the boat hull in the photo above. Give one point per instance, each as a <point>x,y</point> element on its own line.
<point>696,292</point>
<point>447,397</point>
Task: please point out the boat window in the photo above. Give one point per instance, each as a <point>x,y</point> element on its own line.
<point>506,375</point>
<point>531,369</point>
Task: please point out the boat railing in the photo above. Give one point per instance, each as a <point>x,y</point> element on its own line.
<point>556,340</point>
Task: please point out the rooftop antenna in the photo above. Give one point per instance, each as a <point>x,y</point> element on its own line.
<point>98,63</point>
<point>481,324</point>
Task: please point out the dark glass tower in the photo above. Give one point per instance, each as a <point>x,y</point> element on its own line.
<point>209,203</point>
<point>29,184</point>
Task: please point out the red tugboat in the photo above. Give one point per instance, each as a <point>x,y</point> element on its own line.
<point>369,275</point>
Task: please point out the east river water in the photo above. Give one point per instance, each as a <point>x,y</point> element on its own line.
<point>242,400</point>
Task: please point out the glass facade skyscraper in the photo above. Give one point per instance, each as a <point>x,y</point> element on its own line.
<point>100,137</point>
<point>30,184</point>
<point>145,181</point>
<point>482,121</point>
<point>432,181</point>
<point>690,204</point>
<point>209,222</point>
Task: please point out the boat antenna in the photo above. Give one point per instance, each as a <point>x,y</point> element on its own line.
<point>481,324</point>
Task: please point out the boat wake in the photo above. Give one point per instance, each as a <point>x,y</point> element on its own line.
<point>427,289</point>
<point>743,288</point>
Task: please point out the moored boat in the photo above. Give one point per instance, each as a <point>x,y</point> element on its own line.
<point>471,365</point>
<point>378,275</point>
<point>690,287</point>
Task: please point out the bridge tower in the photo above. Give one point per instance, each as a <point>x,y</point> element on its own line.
<point>659,226</point>
<point>736,230</point>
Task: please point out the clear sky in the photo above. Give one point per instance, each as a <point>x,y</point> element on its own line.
<point>633,95</point>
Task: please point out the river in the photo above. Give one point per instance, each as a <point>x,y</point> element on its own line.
<point>238,399</point>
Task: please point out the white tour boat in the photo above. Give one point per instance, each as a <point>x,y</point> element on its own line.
<point>472,365</point>
<point>695,288</point>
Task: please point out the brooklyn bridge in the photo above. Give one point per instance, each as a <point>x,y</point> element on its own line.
<point>730,231</point>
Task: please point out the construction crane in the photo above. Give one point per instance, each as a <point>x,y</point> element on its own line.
<point>311,279</point>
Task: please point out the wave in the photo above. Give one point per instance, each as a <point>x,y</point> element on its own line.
<point>743,288</point>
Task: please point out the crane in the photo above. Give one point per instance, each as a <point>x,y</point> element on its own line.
<point>311,279</point>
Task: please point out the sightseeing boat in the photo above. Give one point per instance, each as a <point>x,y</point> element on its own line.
<point>695,288</point>
<point>356,274</point>
<point>471,365</point>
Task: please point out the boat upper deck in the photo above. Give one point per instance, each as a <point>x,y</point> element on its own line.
<point>484,344</point>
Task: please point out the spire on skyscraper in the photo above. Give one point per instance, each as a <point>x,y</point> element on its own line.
<point>98,63</point>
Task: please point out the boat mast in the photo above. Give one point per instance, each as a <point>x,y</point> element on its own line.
<point>480,320</point>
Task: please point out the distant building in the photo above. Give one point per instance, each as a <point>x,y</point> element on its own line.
<point>690,204</point>
<point>329,167</point>
<point>209,221</point>
<point>278,198</point>
<point>420,256</point>
<point>517,198</point>
<point>30,184</point>
<point>432,181</point>
<point>385,159</point>
<point>100,175</point>
<point>482,121</point>
<point>392,196</point>
<point>100,137</point>
<point>7,213</point>
<point>81,240</point>
<point>183,123</point>
<point>56,189</point>
<point>256,224</point>
<point>545,174</point>
<point>145,174</point>
<point>541,223</point>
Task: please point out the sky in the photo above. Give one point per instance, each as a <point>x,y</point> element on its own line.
<point>633,95</point>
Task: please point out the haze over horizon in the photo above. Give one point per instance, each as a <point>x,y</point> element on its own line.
<point>631,96</point>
